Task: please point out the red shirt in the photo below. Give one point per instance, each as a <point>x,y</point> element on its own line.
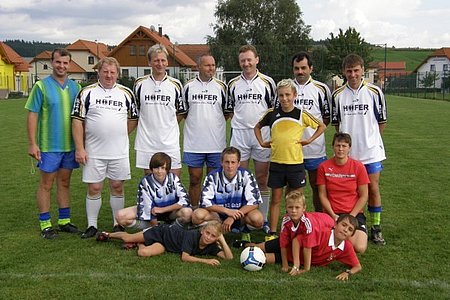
<point>341,182</point>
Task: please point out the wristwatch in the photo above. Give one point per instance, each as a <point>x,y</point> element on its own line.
<point>349,272</point>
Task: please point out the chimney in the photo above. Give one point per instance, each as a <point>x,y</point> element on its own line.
<point>160,29</point>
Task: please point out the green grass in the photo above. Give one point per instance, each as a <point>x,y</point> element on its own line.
<point>413,264</point>
<point>412,57</point>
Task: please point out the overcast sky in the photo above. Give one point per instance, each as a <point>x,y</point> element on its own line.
<point>399,23</point>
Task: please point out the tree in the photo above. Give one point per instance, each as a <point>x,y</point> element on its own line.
<point>276,28</point>
<point>341,45</point>
<point>429,80</point>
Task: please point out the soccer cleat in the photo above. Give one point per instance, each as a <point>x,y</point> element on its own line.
<point>246,237</point>
<point>49,233</point>
<point>376,236</point>
<point>90,232</point>
<point>270,237</point>
<point>118,228</point>
<point>69,227</point>
<point>266,228</point>
<point>239,244</point>
<point>102,236</point>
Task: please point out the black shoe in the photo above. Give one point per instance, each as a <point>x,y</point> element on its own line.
<point>376,235</point>
<point>118,228</point>
<point>102,236</point>
<point>69,227</point>
<point>240,244</point>
<point>90,232</point>
<point>49,233</point>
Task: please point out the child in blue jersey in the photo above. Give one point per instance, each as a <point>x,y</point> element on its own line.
<point>230,194</point>
<point>160,197</point>
<point>173,238</point>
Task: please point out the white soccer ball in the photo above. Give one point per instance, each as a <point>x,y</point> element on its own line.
<point>253,259</point>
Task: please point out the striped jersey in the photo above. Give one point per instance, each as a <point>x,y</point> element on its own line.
<point>151,194</point>
<point>358,112</point>
<point>314,97</point>
<point>250,99</point>
<point>204,129</point>
<point>53,103</point>
<point>241,190</point>
<point>159,103</point>
<point>286,130</point>
<point>105,113</point>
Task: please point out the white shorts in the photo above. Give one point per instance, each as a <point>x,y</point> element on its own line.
<point>96,170</point>
<point>245,140</point>
<point>143,159</point>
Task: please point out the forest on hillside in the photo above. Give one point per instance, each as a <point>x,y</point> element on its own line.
<point>33,48</point>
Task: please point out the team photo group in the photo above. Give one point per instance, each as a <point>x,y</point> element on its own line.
<point>278,126</point>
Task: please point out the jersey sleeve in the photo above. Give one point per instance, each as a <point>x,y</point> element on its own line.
<point>335,117</point>
<point>79,105</point>
<point>208,192</point>
<point>144,201</point>
<point>35,99</point>
<point>182,195</point>
<point>252,194</point>
<point>320,179</point>
<point>310,120</point>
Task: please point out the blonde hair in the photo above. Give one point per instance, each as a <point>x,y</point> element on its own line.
<point>214,224</point>
<point>287,83</point>
<point>111,61</point>
<point>296,197</point>
<point>157,48</point>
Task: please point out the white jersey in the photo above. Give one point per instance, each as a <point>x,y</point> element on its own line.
<point>250,99</point>
<point>105,113</point>
<point>159,102</point>
<point>153,194</point>
<point>314,97</point>
<point>240,191</point>
<point>205,125</point>
<point>358,112</point>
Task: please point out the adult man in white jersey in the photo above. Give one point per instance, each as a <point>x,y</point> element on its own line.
<point>250,95</point>
<point>103,115</point>
<point>161,107</point>
<point>359,108</point>
<point>204,132</point>
<point>314,97</point>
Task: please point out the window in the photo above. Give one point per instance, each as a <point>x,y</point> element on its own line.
<point>90,60</point>
<point>445,68</point>
<point>142,50</point>
<point>133,50</point>
<point>146,71</point>
<point>432,68</point>
<point>45,67</point>
<point>125,73</point>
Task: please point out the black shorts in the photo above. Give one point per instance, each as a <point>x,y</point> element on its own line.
<point>273,246</point>
<point>361,222</point>
<point>281,175</point>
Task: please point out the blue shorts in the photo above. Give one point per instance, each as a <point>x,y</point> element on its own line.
<point>53,161</point>
<point>312,164</point>
<point>198,160</point>
<point>373,168</point>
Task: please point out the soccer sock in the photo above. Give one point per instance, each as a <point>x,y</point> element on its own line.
<point>375,214</point>
<point>117,203</point>
<point>93,205</point>
<point>44,220</point>
<point>264,207</point>
<point>64,216</point>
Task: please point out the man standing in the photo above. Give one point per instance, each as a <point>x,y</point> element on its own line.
<point>359,108</point>
<point>204,132</point>
<point>161,106</point>
<point>50,141</point>
<point>250,95</point>
<point>103,115</point>
<point>312,96</point>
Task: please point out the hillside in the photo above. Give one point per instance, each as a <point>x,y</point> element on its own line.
<point>413,57</point>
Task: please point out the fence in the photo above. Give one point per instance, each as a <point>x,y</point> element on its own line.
<point>428,85</point>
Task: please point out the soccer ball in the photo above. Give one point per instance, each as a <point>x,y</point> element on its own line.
<point>253,259</point>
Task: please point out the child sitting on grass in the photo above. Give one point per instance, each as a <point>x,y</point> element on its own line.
<point>174,238</point>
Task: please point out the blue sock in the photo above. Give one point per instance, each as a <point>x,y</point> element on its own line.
<point>64,215</point>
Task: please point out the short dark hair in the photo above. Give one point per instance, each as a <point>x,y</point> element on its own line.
<point>199,58</point>
<point>231,150</point>
<point>246,48</point>
<point>301,56</point>
<point>351,219</point>
<point>352,60</point>
<point>160,159</point>
<point>61,52</point>
<point>342,137</point>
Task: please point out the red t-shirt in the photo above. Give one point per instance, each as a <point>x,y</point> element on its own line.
<point>341,182</point>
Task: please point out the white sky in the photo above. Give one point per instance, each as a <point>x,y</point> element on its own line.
<point>399,23</point>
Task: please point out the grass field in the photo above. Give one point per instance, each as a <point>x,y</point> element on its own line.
<point>412,57</point>
<point>414,264</point>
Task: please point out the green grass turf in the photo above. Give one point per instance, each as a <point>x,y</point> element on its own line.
<point>412,57</point>
<point>413,264</point>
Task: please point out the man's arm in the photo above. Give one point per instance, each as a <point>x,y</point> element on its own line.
<point>186,257</point>
<point>131,125</point>
<point>258,134</point>
<point>326,205</point>
<point>346,275</point>
<point>33,148</point>
<point>226,251</point>
<point>363,196</point>
<point>81,156</point>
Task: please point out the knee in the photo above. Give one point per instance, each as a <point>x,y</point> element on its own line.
<point>117,188</point>
<point>185,214</point>
<point>199,216</point>
<point>121,217</point>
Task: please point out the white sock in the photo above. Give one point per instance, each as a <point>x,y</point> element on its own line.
<point>117,203</point>
<point>264,207</point>
<point>93,205</point>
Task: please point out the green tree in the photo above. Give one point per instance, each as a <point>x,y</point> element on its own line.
<point>429,80</point>
<point>341,45</point>
<point>276,28</point>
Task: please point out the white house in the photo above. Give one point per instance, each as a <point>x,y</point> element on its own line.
<point>437,62</point>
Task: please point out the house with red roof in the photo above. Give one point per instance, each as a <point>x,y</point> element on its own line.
<point>438,63</point>
<point>13,72</point>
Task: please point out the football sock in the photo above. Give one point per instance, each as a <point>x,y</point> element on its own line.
<point>264,206</point>
<point>44,220</point>
<point>64,216</point>
<point>93,205</point>
<point>116,203</point>
<point>374,214</point>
